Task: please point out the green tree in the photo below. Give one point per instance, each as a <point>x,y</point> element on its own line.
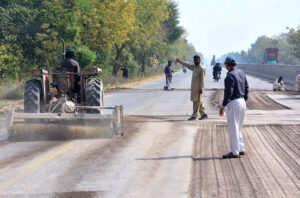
<point>171,25</point>
<point>26,29</point>
<point>85,56</point>
<point>294,40</point>
<point>108,34</point>
<point>149,17</point>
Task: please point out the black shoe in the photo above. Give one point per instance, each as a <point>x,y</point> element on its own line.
<point>203,117</point>
<point>230,155</point>
<point>242,153</point>
<point>192,118</point>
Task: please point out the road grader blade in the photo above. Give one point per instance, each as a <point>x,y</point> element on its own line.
<point>62,126</point>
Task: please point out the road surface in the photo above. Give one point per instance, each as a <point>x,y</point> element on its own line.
<point>162,154</point>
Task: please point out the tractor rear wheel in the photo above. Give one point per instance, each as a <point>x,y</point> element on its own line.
<point>94,94</point>
<point>32,96</point>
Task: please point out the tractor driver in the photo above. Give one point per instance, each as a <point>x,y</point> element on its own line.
<point>70,65</point>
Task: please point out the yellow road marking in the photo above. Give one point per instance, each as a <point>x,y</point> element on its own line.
<point>36,164</point>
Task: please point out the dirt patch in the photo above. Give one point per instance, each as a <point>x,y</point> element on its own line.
<point>257,100</point>
<point>271,154</point>
<point>11,91</point>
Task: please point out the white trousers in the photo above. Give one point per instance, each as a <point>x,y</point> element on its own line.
<point>235,112</point>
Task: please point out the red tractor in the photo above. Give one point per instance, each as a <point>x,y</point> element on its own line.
<point>70,109</point>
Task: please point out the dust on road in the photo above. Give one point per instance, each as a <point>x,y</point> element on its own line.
<point>146,158</point>
<point>258,100</point>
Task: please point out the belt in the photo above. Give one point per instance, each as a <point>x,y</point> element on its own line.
<point>238,98</point>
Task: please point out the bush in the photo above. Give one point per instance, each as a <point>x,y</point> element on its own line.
<point>85,56</point>
<point>133,69</point>
<point>70,33</point>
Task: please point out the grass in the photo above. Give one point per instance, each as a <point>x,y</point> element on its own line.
<point>10,91</point>
<point>118,81</point>
<point>3,104</point>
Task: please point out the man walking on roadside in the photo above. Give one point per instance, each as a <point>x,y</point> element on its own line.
<point>125,72</point>
<point>168,72</point>
<point>235,95</point>
<point>197,87</point>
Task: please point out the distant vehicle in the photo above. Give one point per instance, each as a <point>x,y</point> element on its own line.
<point>217,77</point>
<point>217,72</point>
<point>213,61</point>
<point>271,56</point>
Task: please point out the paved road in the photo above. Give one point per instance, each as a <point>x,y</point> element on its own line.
<point>183,81</point>
<point>163,156</point>
<point>150,99</point>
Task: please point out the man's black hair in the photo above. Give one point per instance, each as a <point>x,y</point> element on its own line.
<point>230,61</point>
<point>70,53</point>
<point>197,56</point>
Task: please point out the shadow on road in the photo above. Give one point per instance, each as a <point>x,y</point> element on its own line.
<point>181,157</point>
<point>206,158</point>
<point>166,158</point>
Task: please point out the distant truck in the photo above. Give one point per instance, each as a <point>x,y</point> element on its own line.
<point>271,56</point>
<point>213,61</point>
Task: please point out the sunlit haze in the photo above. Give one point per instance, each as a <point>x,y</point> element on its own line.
<point>219,26</point>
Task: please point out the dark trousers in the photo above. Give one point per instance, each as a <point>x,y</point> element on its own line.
<point>168,80</point>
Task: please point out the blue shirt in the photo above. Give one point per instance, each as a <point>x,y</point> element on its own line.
<point>236,86</point>
<point>168,70</point>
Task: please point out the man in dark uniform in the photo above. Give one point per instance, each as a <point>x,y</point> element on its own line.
<point>168,73</point>
<point>235,95</point>
<point>125,72</point>
<point>70,65</point>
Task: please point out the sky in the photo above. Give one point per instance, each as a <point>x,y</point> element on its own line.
<point>222,26</point>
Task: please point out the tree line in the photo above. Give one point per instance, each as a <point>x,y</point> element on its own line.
<point>110,34</point>
<point>287,43</point>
